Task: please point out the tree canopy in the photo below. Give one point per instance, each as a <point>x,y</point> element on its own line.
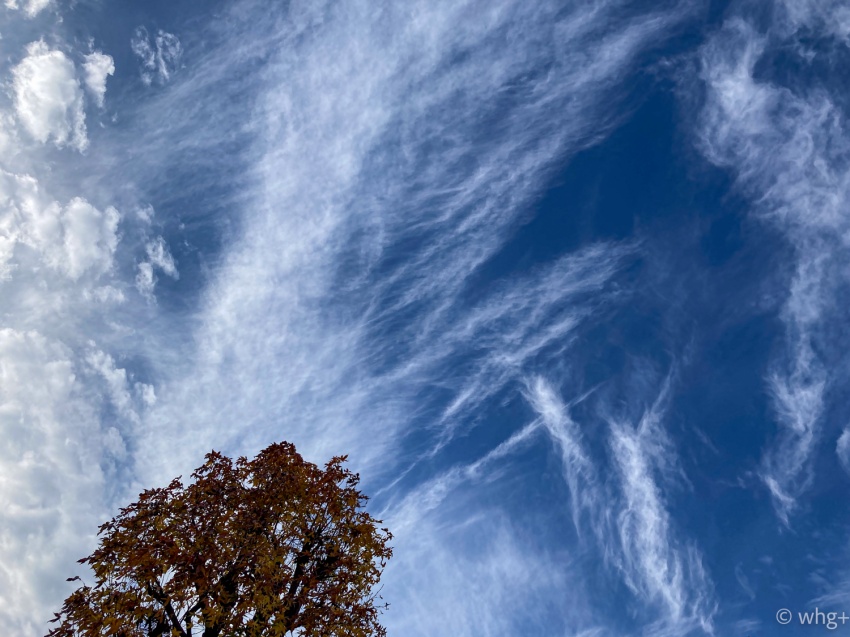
<point>271,546</point>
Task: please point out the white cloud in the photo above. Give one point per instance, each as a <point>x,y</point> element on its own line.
<point>348,296</point>
<point>98,67</point>
<point>579,471</point>
<point>427,497</point>
<point>160,258</point>
<point>68,406</point>
<point>117,385</point>
<point>369,112</point>
<point>51,475</point>
<point>146,393</point>
<point>10,221</point>
<point>62,459</point>
<point>483,574</point>
<point>482,580</point>
<point>145,214</point>
<point>363,147</point>
<point>159,55</point>
<point>31,7</point>
<point>145,279</point>
<point>8,139</point>
<point>842,448</point>
<point>825,16</point>
<point>657,567</point>
<point>76,239</point>
<point>48,97</point>
<point>789,151</point>
<point>744,582</point>
<point>90,238</point>
<point>633,528</point>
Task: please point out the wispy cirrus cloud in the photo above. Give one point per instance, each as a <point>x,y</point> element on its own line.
<point>658,567</point>
<point>580,473</point>
<point>483,578</point>
<point>831,17</point>
<point>789,148</point>
<point>842,448</point>
<point>346,315</point>
<point>378,199</point>
<point>486,574</point>
<point>386,156</point>
<point>631,523</point>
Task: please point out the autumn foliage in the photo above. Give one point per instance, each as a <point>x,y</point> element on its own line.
<point>270,546</point>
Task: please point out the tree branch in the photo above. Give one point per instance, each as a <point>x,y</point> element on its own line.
<point>162,598</point>
<point>193,609</point>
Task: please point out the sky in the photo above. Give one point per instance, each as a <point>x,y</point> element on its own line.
<point>566,281</point>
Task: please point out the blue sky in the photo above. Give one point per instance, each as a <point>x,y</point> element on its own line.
<point>567,281</point>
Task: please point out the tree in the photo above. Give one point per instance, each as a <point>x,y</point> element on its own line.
<point>271,546</point>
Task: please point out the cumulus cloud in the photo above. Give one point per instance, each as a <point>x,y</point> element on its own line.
<point>89,238</point>
<point>158,257</point>
<point>789,151</point>
<point>69,400</point>
<point>48,98</point>
<point>75,239</point>
<point>159,55</point>
<point>51,475</point>
<point>9,142</point>
<point>128,399</point>
<point>98,67</point>
<point>67,407</point>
